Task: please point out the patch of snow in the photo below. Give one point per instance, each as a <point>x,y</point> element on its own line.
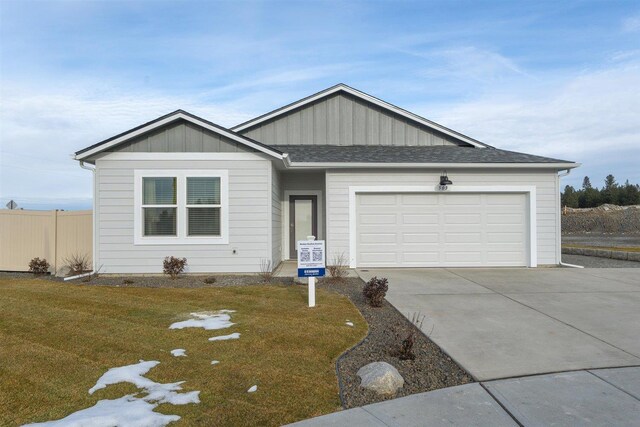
<point>233,336</point>
<point>127,374</point>
<point>253,389</point>
<point>207,320</point>
<point>215,362</point>
<point>349,323</point>
<point>124,411</point>
<point>130,410</point>
<point>179,352</point>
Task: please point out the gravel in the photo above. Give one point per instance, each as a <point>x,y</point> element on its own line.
<point>432,368</point>
<point>597,262</point>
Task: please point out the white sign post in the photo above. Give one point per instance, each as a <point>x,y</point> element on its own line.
<point>311,263</point>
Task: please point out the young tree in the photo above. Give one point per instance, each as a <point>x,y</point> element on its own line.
<point>586,183</point>
<point>609,193</point>
<point>569,197</point>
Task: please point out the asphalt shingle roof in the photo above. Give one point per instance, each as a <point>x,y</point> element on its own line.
<point>403,154</point>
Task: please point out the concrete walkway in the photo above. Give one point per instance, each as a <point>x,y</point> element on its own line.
<point>509,322</point>
<point>605,397</point>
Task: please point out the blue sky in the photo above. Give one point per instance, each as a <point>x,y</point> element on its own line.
<point>557,78</point>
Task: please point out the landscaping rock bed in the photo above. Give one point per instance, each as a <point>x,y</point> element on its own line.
<point>182,281</point>
<point>430,370</point>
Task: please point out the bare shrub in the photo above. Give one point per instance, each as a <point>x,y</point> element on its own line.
<point>405,350</point>
<point>93,275</point>
<point>128,282</point>
<point>209,280</point>
<point>77,264</point>
<point>268,271</point>
<point>338,269</point>
<point>174,266</point>
<point>39,266</point>
<point>375,290</point>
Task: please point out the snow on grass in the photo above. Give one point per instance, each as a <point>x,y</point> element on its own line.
<point>130,410</point>
<point>349,323</point>
<point>179,352</point>
<point>215,362</point>
<point>253,389</point>
<point>233,336</point>
<point>207,320</point>
<point>124,411</point>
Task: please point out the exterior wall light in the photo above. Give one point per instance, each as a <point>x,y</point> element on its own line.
<point>444,181</point>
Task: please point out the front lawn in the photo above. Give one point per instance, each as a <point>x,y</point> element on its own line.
<point>57,339</point>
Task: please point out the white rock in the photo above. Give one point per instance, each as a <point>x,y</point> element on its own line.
<point>380,377</point>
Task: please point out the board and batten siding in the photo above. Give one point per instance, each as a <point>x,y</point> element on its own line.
<point>250,216</point>
<point>342,119</point>
<point>545,181</point>
<point>181,137</point>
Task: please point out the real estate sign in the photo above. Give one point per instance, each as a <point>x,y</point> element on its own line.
<point>311,258</point>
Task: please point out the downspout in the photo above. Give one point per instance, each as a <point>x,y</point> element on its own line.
<point>561,175</point>
<point>93,214</point>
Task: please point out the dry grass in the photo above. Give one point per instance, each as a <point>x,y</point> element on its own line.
<point>58,339</point>
<point>604,248</point>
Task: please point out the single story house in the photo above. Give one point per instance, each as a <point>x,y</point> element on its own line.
<point>383,186</point>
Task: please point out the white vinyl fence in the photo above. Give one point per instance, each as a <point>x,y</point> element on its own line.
<point>53,235</point>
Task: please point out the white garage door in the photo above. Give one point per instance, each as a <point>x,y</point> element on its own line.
<point>441,230</point>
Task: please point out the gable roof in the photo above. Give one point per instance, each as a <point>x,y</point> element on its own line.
<point>341,87</point>
<point>170,118</point>
<point>367,155</point>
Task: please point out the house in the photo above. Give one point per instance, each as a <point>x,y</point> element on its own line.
<point>383,186</point>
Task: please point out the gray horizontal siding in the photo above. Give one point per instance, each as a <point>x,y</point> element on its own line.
<point>181,137</point>
<point>250,213</point>
<point>547,208</point>
<point>343,119</point>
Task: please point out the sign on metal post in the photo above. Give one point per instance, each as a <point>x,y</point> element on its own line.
<point>311,263</point>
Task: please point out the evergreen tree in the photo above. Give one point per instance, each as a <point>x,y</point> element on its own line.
<point>569,197</point>
<point>586,183</point>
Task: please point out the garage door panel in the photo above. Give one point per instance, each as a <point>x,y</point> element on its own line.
<point>420,238</point>
<point>419,199</point>
<point>462,218</point>
<point>441,229</point>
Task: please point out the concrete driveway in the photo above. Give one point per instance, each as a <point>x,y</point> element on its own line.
<point>500,323</point>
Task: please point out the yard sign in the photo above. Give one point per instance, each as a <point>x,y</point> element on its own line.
<point>311,258</point>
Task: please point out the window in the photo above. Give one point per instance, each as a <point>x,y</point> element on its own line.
<point>159,204</point>
<point>181,207</point>
<point>203,206</point>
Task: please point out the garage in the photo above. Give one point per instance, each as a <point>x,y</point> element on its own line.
<point>442,229</point>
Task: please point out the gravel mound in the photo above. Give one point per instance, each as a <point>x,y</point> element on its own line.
<point>603,219</point>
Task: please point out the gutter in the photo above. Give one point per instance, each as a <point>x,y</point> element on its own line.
<point>93,214</point>
<point>407,165</point>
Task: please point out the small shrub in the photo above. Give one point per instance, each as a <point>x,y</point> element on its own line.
<point>210,280</point>
<point>77,264</point>
<point>128,282</point>
<point>174,266</point>
<point>338,269</point>
<point>375,290</point>
<point>268,271</point>
<point>38,266</point>
<point>405,351</point>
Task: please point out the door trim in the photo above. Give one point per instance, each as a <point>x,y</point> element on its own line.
<point>529,191</point>
<point>285,217</point>
<point>314,218</point>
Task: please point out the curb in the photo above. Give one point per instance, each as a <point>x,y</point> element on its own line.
<point>603,253</point>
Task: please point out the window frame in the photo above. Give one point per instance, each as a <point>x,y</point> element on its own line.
<point>182,237</point>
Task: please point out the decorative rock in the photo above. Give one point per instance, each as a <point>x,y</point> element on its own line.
<point>380,377</point>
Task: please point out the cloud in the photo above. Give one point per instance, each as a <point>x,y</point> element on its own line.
<point>631,24</point>
<point>590,118</point>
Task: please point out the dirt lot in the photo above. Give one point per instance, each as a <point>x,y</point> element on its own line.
<point>605,219</point>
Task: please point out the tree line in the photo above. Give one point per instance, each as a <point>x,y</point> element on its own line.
<point>591,197</point>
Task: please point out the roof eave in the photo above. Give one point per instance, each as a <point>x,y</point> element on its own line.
<point>169,118</point>
<point>364,96</point>
<point>407,165</point>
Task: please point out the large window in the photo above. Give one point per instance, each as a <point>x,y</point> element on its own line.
<point>181,207</point>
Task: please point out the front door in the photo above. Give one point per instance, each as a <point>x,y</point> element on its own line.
<point>303,221</point>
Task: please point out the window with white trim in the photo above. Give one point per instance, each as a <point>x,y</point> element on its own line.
<point>181,207</point>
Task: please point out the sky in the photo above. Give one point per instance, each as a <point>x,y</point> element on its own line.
<point>553,78</point>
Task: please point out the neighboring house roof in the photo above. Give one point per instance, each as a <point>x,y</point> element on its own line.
<point>359,154</point>
<point>169,118</point>
<point>361,95</point>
